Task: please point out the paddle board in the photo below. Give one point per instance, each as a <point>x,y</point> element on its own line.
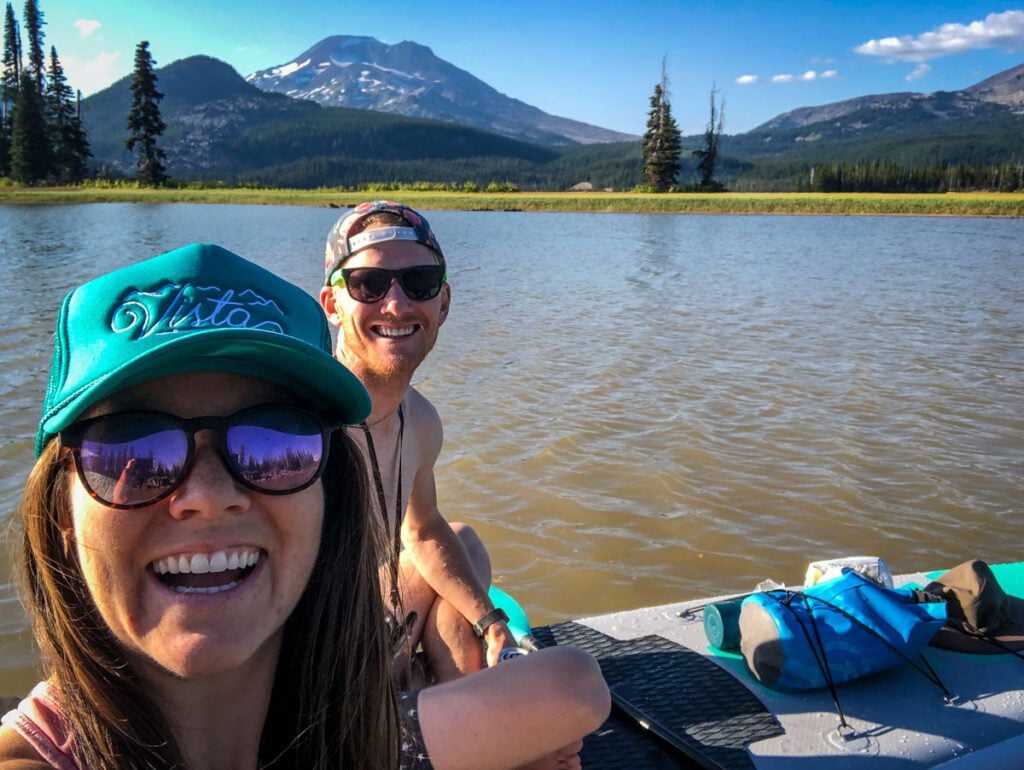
<point>897,719</point>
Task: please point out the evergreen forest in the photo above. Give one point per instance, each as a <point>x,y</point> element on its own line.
<point>42,138</point>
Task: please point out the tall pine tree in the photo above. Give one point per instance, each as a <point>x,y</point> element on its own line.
<point>30,151</point>
<point>36,53</point>
<point>144,119</point>
<point>30,148</point>
<point>11,73</point>
<point>661,142</point>
<point>68,143</point>
<point>707,156</point>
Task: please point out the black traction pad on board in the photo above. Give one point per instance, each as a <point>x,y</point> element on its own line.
<point>701,715</point>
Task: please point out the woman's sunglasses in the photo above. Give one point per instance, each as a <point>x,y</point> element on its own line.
<point>371,284</point>
<point>134,459</point>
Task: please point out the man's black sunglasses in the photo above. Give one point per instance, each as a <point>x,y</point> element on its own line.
<point>371,284</point>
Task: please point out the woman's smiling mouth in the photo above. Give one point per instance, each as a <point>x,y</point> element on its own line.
<point>206,572</point>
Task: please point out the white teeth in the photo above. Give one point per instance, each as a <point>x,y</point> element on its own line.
<point>403,331</point>
<point>202,563</point>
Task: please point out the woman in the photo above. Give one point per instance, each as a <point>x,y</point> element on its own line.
<point>197,558</point>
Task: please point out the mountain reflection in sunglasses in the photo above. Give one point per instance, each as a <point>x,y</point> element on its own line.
<point>134,459</point>
<point>370,284</point>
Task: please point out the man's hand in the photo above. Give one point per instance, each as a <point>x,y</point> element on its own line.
<point>497,637</point>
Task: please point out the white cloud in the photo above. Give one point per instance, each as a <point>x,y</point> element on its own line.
<point>87,26</point>
<point>746,80</point>
<point>806,77</point>
<point>95,74</point>
<point>919,72</point>
<point>997,30</point>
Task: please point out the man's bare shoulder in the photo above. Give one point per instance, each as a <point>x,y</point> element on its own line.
<point>423,422</point>
<point>419,408</point>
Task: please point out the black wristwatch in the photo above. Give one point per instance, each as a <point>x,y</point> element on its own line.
<point>489,619</point>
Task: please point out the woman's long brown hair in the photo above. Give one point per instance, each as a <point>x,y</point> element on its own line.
<point>333,703</point>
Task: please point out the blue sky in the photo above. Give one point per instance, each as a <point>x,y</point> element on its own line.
<point>590,60</point>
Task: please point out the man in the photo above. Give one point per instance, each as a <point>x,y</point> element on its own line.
<point>387,292</point>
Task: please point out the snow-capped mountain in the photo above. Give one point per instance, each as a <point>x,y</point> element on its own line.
<point>407,78</point>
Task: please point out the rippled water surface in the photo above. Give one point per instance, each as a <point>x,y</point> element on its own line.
<point>646,408</point>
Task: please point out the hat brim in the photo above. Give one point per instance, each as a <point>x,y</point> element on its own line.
<point>1010,636</point>
<point>307,371</point>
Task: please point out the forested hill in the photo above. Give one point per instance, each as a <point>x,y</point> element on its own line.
<point>219,126</point>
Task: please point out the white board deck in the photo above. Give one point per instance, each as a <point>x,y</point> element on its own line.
<point>899,718</point>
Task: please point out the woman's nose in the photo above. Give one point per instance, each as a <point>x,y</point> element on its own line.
<point>209,489</point>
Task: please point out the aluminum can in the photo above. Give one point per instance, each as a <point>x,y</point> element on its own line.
<point>509,653</point>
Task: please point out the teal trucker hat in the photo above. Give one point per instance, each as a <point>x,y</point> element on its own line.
<point>197,308</point>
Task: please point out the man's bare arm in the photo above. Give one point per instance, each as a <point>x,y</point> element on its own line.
<point>436,550</point>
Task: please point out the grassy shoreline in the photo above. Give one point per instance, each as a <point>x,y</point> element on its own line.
<point>871,204</point>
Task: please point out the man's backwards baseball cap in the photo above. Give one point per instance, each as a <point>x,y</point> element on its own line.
<point>198,308</point>
<point>341,245</point>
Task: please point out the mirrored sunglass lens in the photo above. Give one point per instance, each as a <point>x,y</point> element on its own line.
<point>277,451</point>
<point>368,284</point>
<point>420,283</point>
<point>132,461</point>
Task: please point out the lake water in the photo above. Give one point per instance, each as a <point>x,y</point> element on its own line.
<point>645,408</point>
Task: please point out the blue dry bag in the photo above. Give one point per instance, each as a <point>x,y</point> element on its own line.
<point>838,630</point>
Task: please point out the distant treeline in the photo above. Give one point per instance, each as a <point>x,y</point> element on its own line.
<point>618,172</point>
<point>878,176</point>
<point>618,169</point>
<point>883,176</point>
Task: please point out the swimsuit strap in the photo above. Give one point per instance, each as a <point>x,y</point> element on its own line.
<point>40,721</point>
<point>396,536</point>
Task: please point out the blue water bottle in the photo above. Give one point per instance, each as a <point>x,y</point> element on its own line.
<point>722,624</point>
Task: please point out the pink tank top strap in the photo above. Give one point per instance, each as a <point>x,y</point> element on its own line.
<point>40,720</point>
